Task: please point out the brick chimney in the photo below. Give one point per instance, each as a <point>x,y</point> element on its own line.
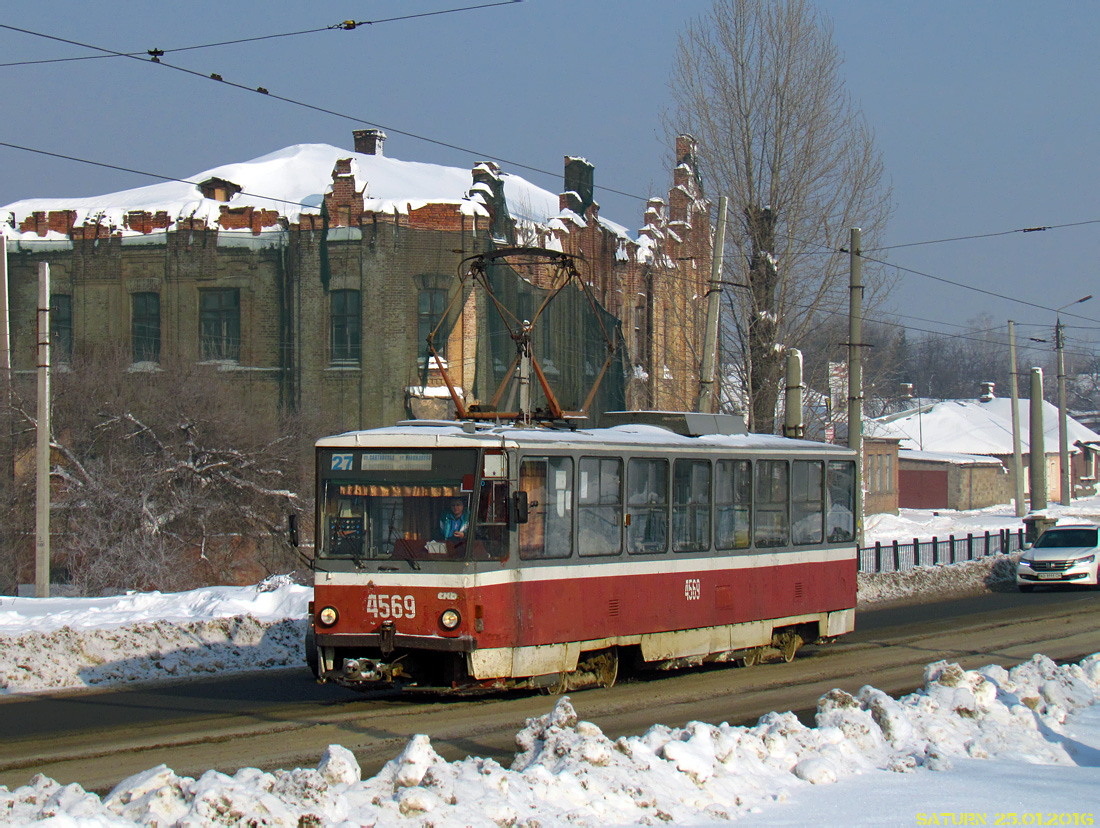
<point>578,181</point>
<point>369,141</point>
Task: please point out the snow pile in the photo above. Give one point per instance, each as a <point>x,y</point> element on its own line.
<point>996,573</point>
<point>58,643</point>
<point>567,772</point>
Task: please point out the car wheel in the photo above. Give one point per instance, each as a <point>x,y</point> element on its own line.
<point>1025,587</point>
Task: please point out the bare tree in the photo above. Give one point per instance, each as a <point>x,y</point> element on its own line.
<point>161,480</point>
<point>758,84</point>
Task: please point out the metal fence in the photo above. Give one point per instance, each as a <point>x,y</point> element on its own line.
<point>897,556</point>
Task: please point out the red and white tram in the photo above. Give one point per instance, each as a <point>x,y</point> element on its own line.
<point>666,545</point>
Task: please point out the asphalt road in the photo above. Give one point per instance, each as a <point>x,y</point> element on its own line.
<point>282,718</point>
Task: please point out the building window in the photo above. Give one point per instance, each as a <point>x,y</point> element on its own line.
<point>220,323</point>
<point>145,327</point>
<point>346,317</point>
<point>61,327</point>
<point>429,312</point>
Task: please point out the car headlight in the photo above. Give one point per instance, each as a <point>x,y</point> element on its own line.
<point>1085,560</point>
<point>449,619</point>
<point>328,616</point>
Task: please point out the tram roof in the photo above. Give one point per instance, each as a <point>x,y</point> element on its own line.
<point>452,434</point>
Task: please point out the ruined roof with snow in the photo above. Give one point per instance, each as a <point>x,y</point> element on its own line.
<point>293,181</point>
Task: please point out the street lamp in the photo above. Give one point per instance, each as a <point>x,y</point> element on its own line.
<point>1063,435</point>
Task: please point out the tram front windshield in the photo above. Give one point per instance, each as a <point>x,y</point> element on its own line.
<point>403,505</point>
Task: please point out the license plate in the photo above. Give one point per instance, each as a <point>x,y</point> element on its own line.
<point>1050,576</point>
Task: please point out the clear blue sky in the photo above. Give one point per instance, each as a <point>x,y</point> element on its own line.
<point>988,113</point>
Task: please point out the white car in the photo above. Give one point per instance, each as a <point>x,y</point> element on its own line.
<point>1064,554</point>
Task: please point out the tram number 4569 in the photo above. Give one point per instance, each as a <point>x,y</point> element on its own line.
<point>391,606</point>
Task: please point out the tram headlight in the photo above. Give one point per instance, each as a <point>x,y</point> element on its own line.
<point>328,616</point>
<point>449,619</point>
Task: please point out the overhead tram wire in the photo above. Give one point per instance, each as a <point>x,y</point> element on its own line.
<point>1038,229</point>
<point>347,25</point>
<point>267,93</point>
<point>826,250</point>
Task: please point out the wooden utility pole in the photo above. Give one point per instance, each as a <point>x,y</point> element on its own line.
<point>1063,428</point>
<point>855,369</point>
<point>708,398</point>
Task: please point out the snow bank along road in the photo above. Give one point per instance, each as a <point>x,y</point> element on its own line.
<point>280,719</point>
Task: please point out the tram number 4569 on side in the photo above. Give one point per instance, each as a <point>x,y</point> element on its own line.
<point>391,606</point>
<point>693,589</point>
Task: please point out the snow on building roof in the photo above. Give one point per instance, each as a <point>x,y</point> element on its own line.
<point>974,427</point>
<point>949,458</point>
<point>294,180</point>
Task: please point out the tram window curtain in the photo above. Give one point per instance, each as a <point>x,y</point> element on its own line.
<point>840,488</point>
<point>807,501</point>
<point>647,506</point>
<point>548,482</point>
<point>772,516</point>
<point>733,504</point>
<point>600,506</point>
<point>690,505</point>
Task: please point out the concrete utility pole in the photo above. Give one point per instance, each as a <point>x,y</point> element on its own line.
<point>8,444</point>
<point>792,421</point>
<point>1017,452</point>
<point>42,489</point>
<point>708,398</point>
<point>855,369</point>
<point>1037,454</point>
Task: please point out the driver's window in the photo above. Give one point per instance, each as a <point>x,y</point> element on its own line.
<point>346,526</point>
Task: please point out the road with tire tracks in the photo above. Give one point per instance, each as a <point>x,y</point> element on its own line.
<point>283,719</point>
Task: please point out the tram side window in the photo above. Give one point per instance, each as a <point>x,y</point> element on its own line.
<point>807,501</point>
<point>600,506</point>
<point>840,486</point>
<point>647,506</point>
<point>772,518</point>
<point>690,505</point>
<point>733,504</point>
<point>548,532</point>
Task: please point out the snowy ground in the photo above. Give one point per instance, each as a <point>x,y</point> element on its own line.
<point>969,745</point>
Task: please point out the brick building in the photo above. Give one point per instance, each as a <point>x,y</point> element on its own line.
<point>314,274</point>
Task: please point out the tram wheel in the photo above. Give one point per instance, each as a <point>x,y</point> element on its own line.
<point>311,651</point>
<point>789,645</point>
<point>750,658</point>
<point>606,667</point>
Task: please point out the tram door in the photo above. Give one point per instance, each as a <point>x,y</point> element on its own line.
<point>548,482</point>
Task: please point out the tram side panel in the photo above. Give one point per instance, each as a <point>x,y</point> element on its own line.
<point>567,605</point>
